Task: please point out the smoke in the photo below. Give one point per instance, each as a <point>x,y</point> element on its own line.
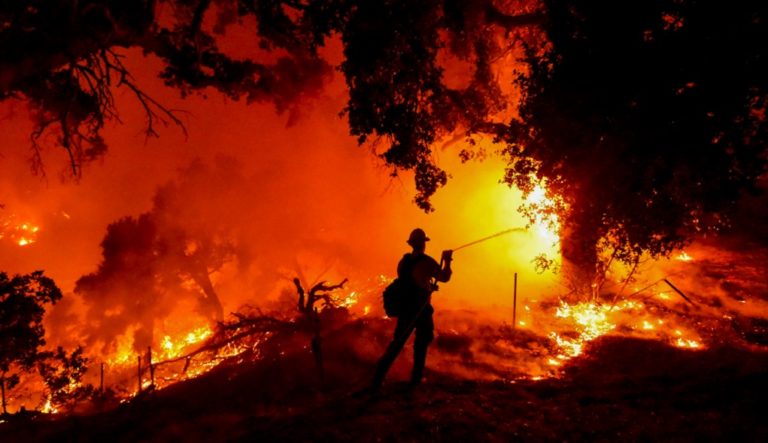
<point>266,201</point>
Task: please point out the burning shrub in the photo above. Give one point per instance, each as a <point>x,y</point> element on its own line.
<point>22,300</point>
<point>62,374</point>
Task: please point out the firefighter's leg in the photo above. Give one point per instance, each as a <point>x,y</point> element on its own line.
<point>395,346</point>
<point>425,333</point>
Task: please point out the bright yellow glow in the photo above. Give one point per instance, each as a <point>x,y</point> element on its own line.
<point>683,256</point>
<point>350,300</point>
<point>124,353</point>
<point>547,229</point>
<point>592,320</point>
<point>22,234</point>
<point>48,407</point>
<point>591,317</point>
<point>687,343</point>
<point>647,325</point>
<point>173,349</point>
<point>167,344</point>
<point>554,362</point>
<point>571,348</point>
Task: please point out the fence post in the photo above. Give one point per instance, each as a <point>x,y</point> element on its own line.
<point>139,373</point>
<point>151,367</point>
<point>514,305</point>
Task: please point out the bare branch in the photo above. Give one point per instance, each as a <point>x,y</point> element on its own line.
<point>154,110</point>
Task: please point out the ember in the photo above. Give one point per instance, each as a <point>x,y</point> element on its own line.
<point>22,234</point>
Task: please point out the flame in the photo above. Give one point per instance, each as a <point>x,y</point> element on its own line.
<point>20,233</point>
<point>647,325</point>
<point>592,320</point>
<point>48,407</point>
<point>687,343</point>
<point>350,300</point>
<point>124,352</point>
<point>683,256</point>
<point>169,348</point>
<point>546,226</point>
<point>175,348</point>
<point>168,363</point>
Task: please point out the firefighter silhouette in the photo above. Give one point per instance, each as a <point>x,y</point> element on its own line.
<point>420,273</point>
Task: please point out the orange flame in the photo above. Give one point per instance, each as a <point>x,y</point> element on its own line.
<point>22,234</point>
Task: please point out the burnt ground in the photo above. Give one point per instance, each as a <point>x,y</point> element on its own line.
<point>623,390</point>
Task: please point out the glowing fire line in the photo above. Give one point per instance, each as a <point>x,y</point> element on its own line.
<point>592,320</point>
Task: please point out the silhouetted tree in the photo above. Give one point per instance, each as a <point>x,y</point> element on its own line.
<point>170,252</point>
<point>647,117</point>
<point>319,291</point>
<point>124,290</point>
<point>310,315</point>
<point>61,373</point>
<point>22,305</point>
<point>143,272</point>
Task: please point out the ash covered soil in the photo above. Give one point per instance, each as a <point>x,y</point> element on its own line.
<point>622,389</point>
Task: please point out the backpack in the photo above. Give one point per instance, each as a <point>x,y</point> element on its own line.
<point>395,293</point>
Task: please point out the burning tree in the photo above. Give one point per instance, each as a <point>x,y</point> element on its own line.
<point>144,267</point>
<point>22,300</point>
<point>61,374</point>
<point>169,253</point>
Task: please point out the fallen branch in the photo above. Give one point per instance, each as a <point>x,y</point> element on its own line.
<point>253,325</point>
<point>678,291</point>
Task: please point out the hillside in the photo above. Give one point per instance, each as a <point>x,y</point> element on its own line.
<point>627,389</point>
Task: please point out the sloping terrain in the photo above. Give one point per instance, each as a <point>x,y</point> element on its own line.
<point>480,384</point>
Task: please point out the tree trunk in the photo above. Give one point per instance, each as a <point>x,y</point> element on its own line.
<point>209,303</point>
<point>580,257</point>
<point>211,300</point>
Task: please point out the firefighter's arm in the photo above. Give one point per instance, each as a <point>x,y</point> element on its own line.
<point>444,273</point>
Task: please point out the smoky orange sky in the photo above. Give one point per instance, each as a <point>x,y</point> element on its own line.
<point>307,200</point>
